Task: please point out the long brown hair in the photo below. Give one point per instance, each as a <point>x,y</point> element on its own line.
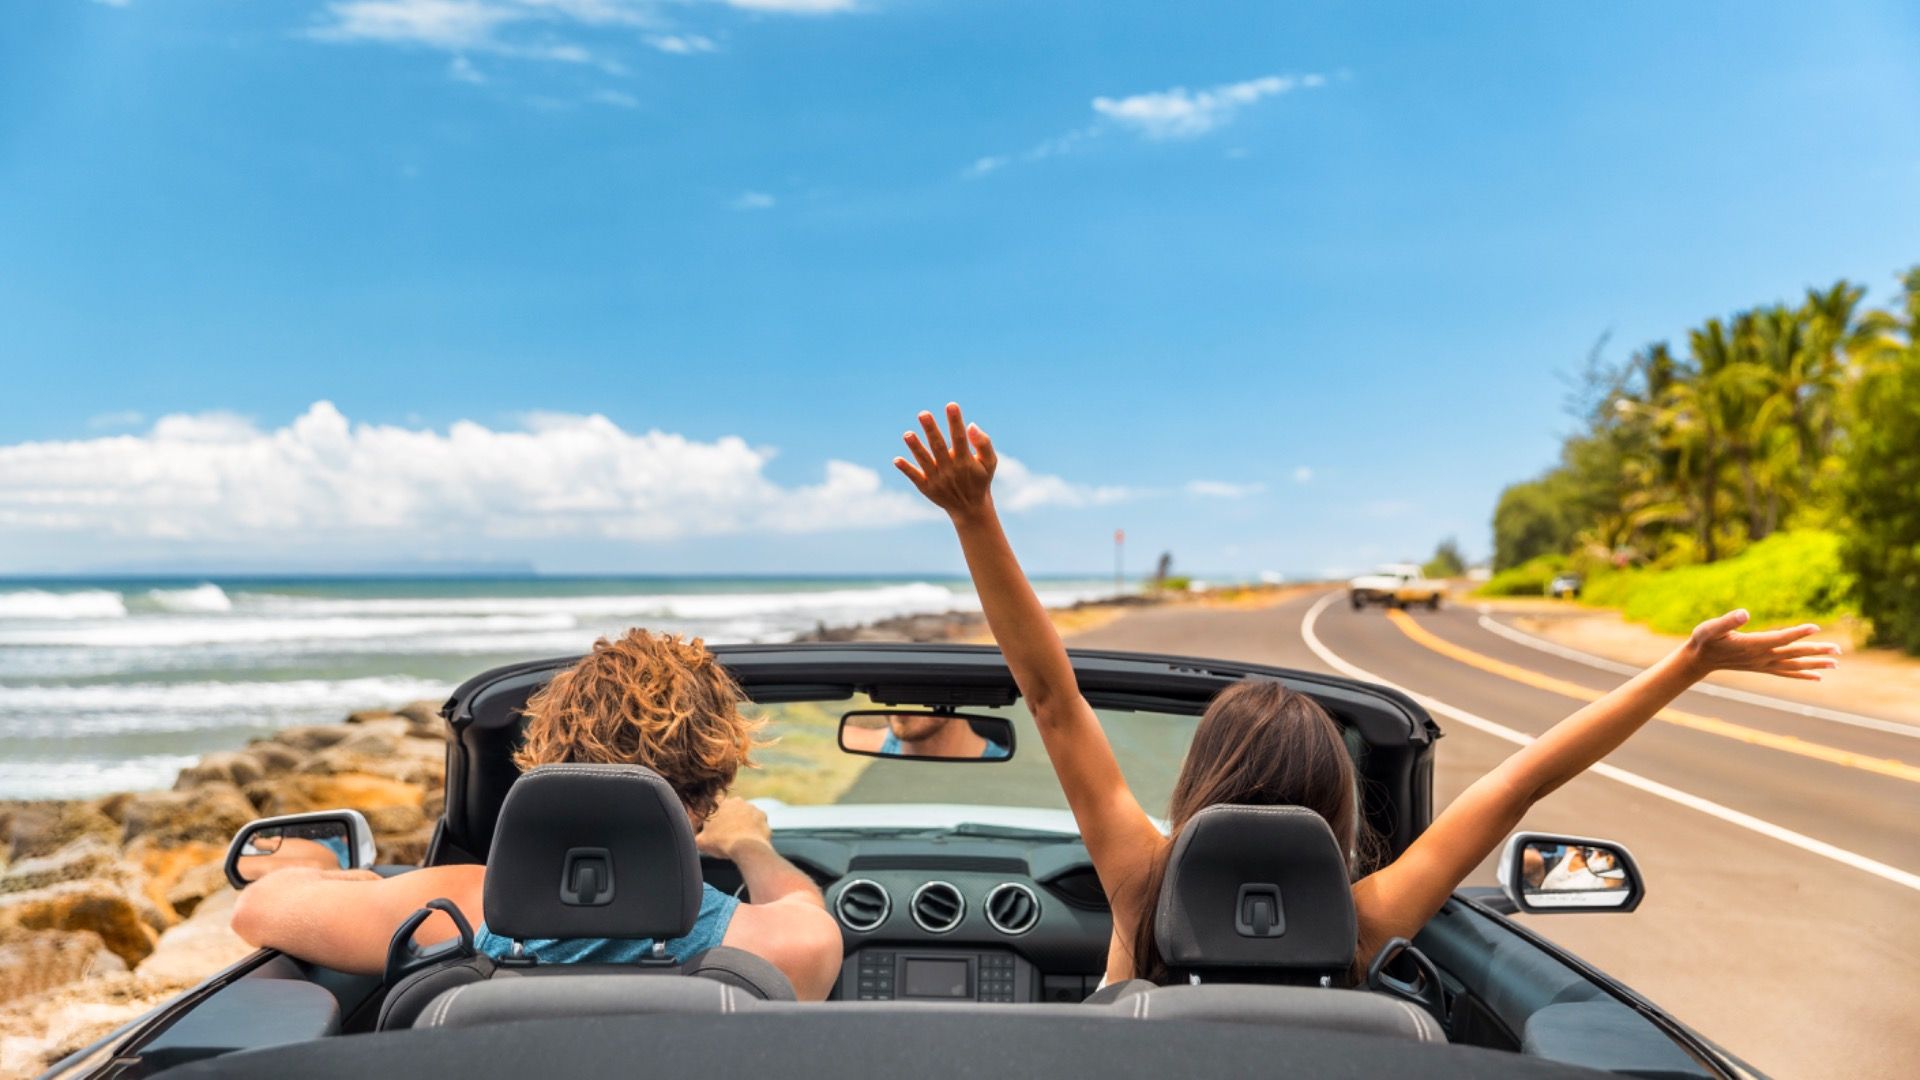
<point>645,699</point>
<point>1259,744</point>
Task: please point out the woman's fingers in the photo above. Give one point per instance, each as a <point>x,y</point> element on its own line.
<point>912,471</point>
<point>1720,627</point>
<point>1811,648</point>
<point>957,430</point>
<point>1776,638</point>
<point>1811,663</point>
<point>1807,675</point>
<point>936,442</point>
<point>920,453</point>
<point>982,446</point>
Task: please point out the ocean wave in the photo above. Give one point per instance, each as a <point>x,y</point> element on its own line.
<point>188,630</point>
<point>687,606</point>
<point>201,599</point>
<point>332,696</point>
<point>79,778</point>
<point>81,604</point>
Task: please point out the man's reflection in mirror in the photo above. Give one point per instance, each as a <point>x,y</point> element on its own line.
<point>924,735</point>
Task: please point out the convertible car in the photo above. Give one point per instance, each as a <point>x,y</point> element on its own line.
<point>975,927</point>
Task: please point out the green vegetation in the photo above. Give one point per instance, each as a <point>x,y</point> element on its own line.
<point>799,760</point>
<point>1530,578</point>
<point>1447,561</point>
<point>1728,474</point>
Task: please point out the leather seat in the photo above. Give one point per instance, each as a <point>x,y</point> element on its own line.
<point>588,851</point>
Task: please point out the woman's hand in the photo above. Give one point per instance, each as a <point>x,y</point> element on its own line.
<point>1716,645</point>
<point>954,472</point>
<point>734,822</point>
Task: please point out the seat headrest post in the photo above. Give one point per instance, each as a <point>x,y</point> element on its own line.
<point>1254,894</point>
<point>592,851</point>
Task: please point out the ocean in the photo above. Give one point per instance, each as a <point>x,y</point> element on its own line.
<point>116,684</point>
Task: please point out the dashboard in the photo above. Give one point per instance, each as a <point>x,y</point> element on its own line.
<point>988,914</point>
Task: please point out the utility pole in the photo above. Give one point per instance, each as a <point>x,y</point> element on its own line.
<point>1119,550</point>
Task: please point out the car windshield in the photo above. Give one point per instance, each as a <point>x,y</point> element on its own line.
<point>802,763</point>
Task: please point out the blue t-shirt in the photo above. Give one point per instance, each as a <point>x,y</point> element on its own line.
<point>993,751</point>
<point>716,911</point>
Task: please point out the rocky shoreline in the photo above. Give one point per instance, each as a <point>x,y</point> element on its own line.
<point>110,906</point>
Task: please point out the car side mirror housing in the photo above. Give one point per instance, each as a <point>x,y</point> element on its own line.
<point>1550,873</point>
<point>323,840</point>
<point>926,736</point>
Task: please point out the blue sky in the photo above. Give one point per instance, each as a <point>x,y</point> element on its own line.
<point>1273,286</point>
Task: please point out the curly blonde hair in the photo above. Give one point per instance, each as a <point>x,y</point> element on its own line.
<point>645,699</point>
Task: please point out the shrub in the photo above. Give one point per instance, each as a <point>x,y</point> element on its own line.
<point>1881,494</point>
<point>1530,578</point>
<point>1786,578</point>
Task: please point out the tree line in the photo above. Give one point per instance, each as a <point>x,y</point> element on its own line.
<point>1800,417</point>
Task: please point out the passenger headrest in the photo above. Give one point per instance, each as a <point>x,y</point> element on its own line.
<point>1256,889</point>
<point>592,851</point>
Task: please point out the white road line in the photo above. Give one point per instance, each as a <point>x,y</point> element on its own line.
<point>1874,723</point>
<point>1652,787</point>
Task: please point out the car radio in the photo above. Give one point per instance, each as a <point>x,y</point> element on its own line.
<point>936,975</point>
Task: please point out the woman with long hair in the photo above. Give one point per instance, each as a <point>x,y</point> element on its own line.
<point>1261,744</point>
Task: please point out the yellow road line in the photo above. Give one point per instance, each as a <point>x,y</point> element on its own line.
<point>1899,770</point>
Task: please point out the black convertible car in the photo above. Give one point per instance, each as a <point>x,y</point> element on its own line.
<point>975,928</point>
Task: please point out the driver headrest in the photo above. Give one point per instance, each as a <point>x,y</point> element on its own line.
<point>592,851</point>
<point>1253,889</point>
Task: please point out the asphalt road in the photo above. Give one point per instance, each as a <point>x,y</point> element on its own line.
<point>1782,852</point>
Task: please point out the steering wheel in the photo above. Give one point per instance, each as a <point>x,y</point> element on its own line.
<point>1423,989</point>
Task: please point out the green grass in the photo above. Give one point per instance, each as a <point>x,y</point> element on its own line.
<point>802,762</point>
<point>1787,578</point>
<point>1530,578</point>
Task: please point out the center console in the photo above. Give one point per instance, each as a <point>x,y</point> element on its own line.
<point>882,974</point>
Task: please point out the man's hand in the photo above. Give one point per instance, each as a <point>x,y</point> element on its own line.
<point>955,476</point>
<point>735,822</point>
<point>1716,645</point>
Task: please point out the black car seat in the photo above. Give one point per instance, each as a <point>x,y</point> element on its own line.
<point>1258,895</point>
<point>585,851</point>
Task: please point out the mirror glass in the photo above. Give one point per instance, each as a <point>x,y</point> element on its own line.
<point>1554,874</point>
<point>926,736</point>
<point>322,845</point>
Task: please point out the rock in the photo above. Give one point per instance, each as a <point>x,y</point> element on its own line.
<point>227,767</point>
<point>35,961</point>
<point>211,813</point>
<point>408,849</point>
<point>359,791</point>
<point>115,805</point>
<point>105,907</point>
<point>313,737</point>
<point>273,758</point>
<point>367,715</point>
<point>41,828</point>
<point>434,804</point>
<point>87,857</point>
<point>422,713</point>
<point>195,886</point>
<point>388,820</point>
<point>198,947</point>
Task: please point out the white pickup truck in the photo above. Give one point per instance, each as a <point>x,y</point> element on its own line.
<point>1395,585</point>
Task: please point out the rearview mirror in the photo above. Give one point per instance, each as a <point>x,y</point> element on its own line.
<point>926,736</point>
<point>1546,873</point>
<point>323,840</point>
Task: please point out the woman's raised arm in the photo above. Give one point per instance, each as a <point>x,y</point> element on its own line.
<point>1399,899</point>
<point>955,472</point>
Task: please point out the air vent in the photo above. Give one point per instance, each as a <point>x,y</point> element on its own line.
<point>863,905</point>
<point>1012,908</point>
<point>938,907</point>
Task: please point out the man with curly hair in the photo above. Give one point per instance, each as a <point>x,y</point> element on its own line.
<point>641,699</point>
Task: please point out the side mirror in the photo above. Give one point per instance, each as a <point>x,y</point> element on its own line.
<point>324,840</point>
<point>1548,873</point>
<point>926,736</point>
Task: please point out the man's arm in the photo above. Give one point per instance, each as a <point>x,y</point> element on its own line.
<point>345,919</point>
<point>786,924</point>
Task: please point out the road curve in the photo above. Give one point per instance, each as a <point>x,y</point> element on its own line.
<point>1802,961</point>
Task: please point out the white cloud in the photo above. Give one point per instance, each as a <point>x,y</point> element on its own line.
<point>443,24</point>
<point>682,44</point>
<point>1180,113</point>
<point>1222,489</point>
<point>125,418</point>
<point>619,99</point>
<point>795,7</point>
<point>754,200</point>
<point>461,69</point>
<point>218,481</point>
<point>1303,475</point>
<point>1163,114</point>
